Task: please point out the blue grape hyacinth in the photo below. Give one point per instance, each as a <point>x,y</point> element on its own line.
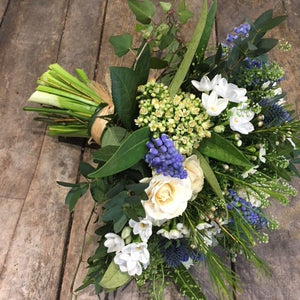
<point>251,213</point>
<point>164,158</point>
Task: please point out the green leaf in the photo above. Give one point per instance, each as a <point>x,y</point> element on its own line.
<point>263,18</point>
<point>104,153</point>
<point>143,10</point>
<point>265,45</point>
<point>221,149</point>
<point>273,23</point>
<point>207,31</point>
<point>209,175</point>
<point>124,85</point>
<point>67,184</point>
<point>85,169</point>
<point>121,43</point>
<point>98,190</point>
<point>113,136</point>
<point>129,153</point>
<point>142,67</point>
<point>113,277</point>
<point>189,55</point>
<point>120,223</point>
<point>183,13</point>
<point>74,194</point>
<point>157,63</point>
<point>187,284</point>
<point>166,39</point>
<point>166,6</point>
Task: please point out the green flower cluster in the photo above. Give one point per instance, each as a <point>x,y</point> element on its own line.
<point>260,82</point>
<point>182,118</point>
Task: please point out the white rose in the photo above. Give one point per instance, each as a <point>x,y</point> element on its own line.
<point>167,197</point>
<point>195,173</point>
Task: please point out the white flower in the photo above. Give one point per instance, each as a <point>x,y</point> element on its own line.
<point>167,197</point>
<point>195,173</point>
<point>262,153</point>
<point>183,229</point>
<point>205,84</point>
<point>230,91</point>
<point>240,120</point>
<point>187,264</point>
<point>175,234</point>
<point>210,231</point>
<point>113,242</point>
<point>249,172</point>
<point>163,232</point>
<point>212,104</point>
<point>132,258</point>
<point>142,228</point>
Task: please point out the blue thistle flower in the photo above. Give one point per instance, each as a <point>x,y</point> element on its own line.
<point>251,213</point>
<point>177,251</point>
<point>164,158</point>
<point>274,113</point>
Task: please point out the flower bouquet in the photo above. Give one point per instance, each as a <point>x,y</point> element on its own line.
<point>193,148</point>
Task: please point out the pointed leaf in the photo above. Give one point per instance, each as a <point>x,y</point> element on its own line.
<point>113,136</point>
<point>209,175</point>
<point>221,149</point>
<point>166,6</point>
<point>210,21</point>
<point>143,10</point>
<point>142,67</point>
<point>121,43</point>
<point>189,55</point>
<point>124,85</point>
<point>129,153</point>
<point>113,277</point>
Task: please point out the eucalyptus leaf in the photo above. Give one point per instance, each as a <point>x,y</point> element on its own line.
<point>113,277</point>
<point>157,63</point>
<point>221,149</point>
<point>166,6</point>
<point>183,13</point>
<point>121,43</point>
<point>120,223</point>
<point>124,85</point>
<point>143,10</point>
<point>129,153</point>
<point>98,190</point>
<point>105,153</point>
<point>74,194</point>
<point>113,136</point>
<point>85,169</point>
<point>142,67</point>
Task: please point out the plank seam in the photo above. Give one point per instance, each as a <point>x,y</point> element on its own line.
<point>67,240</point>
<point>5,11</point>
<point>63,29</point>
<point>100,41</point>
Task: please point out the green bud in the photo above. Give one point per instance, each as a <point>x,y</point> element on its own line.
<point>126,232</point>
<point>219,128</point>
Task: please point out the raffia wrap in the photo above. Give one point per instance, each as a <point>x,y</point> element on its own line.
<point>99,123</point>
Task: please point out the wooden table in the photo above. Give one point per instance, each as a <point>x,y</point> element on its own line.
<point>40,241</point>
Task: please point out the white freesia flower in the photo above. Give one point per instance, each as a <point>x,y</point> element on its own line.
<point>132,258</point>
<point>209,231</point>
<point>195,173</point>
<point>113,242</point>
<point>176,233</point>
<point>167,197</point>
<point>230,91</point>
<point>163,232</point>
<point>240,120</point>
<point>183,229</point>
<point>205,84</point>
<point>212,104</point>
<point>142,228</point>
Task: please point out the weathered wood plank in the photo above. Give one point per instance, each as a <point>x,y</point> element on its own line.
<point>23,49</point>
<point>33,263</point>
<point>282,251</point>
<point>3,7</point>
<point>11,208</point>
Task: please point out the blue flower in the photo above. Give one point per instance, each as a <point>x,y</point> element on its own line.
<point>250,213</point>
<point>164,158</point>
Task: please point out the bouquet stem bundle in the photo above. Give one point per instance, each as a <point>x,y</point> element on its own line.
<point>70,105</point>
